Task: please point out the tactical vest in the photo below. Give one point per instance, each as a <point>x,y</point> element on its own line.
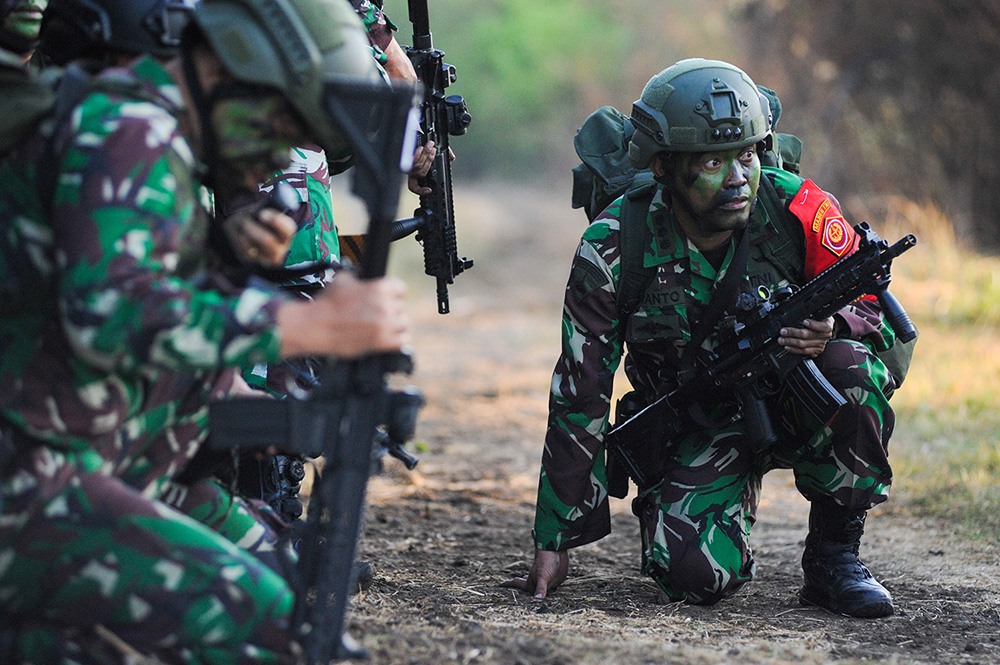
<point>777,250</point>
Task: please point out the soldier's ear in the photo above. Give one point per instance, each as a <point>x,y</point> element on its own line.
<point>662,165</point>
<point>656,165</point>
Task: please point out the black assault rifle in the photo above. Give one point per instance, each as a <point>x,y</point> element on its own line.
<point>441,116</point>
<point>352,404</point>
<point>750,365</point>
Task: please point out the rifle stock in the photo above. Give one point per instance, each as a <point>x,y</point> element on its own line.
<point>750,362</point>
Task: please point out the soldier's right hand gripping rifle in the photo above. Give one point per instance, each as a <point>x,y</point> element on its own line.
<point>442,116</point>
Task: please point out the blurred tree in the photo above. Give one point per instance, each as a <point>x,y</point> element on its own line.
<point>892,97</point>
<point>533,70</point>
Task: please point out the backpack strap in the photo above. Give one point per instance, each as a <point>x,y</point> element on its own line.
<point>787,249</point>
<point>72,87</point>
<point>634,277</point>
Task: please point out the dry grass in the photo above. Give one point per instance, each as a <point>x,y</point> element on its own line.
<point>947,447</point>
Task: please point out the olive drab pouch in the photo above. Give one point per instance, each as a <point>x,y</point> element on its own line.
<point>25,99</point>
<point>786,149</point>
<point>605,174</point>
<point>897,359</point>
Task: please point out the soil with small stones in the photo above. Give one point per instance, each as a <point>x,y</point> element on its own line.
<point>444,536</point>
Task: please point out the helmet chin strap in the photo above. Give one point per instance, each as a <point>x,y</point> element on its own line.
<point>16,43</point>
<point>202,109</point>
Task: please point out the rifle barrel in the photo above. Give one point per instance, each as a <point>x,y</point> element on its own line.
<point>421,25</point>
<point>900,246</point>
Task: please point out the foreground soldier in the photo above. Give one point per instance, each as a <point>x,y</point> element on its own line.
<point>701,127</point>
<point>104,383</point>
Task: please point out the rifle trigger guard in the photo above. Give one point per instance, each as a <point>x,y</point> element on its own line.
<point>702,419</point>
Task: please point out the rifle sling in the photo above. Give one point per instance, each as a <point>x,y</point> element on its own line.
<point>723,296</point>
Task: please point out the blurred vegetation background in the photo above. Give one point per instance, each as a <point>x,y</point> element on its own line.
<point>898,104</point>
<point>891,98</point>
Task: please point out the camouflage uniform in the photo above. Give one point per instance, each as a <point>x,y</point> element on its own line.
<point>309,173</point>
<point>104,384</point>
<point>696,524</point>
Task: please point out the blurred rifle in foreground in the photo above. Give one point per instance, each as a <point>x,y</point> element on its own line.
<point>750,364</point>
<point>341,416</point>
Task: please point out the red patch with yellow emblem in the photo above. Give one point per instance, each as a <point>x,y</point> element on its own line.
<point>836,236</point>
<point>828,236</point>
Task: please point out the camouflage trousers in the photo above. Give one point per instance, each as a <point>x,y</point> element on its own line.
<point>93,571</point>
<point>696,525</point>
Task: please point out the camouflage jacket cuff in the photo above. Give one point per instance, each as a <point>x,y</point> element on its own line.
<point>558,541</point>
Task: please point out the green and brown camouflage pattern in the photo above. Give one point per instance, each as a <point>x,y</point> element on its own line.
<point>136,319</point>
<point>82,549</point>
<point>105,382</point>
<point>696,524</point>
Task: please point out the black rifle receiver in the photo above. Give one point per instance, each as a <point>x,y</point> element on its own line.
<point>750,363</point>
<point>442,116</point>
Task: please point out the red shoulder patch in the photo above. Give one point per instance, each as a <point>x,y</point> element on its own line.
<point>828,235</point>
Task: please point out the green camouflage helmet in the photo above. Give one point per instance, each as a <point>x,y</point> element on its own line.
<point>293,46</point>
<point>697,105</point>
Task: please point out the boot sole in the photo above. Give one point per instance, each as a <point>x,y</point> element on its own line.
<point>875,610</point>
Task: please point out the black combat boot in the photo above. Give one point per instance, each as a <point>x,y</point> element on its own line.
<point>835,578</point>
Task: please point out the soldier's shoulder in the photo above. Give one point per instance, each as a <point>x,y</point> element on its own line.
<point>785,182</point>
<point>603,236</point>
<point>606,225</point>
<point>144,92</point>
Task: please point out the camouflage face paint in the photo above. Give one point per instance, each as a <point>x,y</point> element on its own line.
<point>255,135</point>
<point>718,187</point>
<point>25,20</point>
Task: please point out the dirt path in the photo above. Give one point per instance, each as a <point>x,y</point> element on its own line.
<point>444,536</point>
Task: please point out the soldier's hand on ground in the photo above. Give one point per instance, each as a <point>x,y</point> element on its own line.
<point>261,238</point>
<point>548,571</point>
<point>348,319</point>
<point>810,339</point>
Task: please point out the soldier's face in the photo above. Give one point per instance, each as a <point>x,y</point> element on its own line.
<point>25,20</point>
<point>255,134</point>
<point>719,187</point>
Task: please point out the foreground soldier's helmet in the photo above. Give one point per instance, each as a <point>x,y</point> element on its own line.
<point>697,105</point>
<point>95,28</point>
<point>294,47</point>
